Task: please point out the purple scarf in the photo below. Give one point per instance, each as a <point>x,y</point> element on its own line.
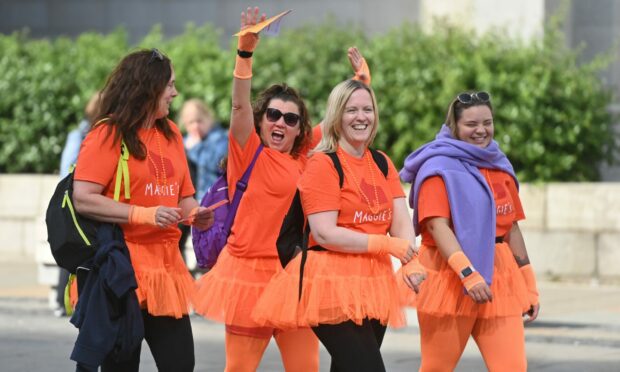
<point>472,205</point>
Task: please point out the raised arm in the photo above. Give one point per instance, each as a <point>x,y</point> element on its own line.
<point>359,65</point>
<point>242,119</point>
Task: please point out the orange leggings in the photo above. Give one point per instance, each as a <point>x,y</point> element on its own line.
<point>299,350</point>
<point>500,340</point>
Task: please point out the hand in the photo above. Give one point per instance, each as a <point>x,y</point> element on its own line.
<point>203,218</point>
<point>167,216</point>
<point>480,293</point>
<point>414,274</point>
<point>249,18</point>
<point>531,314</point>
<point>358,63</point>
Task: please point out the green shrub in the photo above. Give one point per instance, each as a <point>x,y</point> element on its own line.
<point>550,112</point>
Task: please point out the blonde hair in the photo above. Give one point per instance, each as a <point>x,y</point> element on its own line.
<point>336,104</point>
<point>200,105</point>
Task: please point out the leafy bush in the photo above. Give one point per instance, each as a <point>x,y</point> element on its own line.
<point>550,112</point>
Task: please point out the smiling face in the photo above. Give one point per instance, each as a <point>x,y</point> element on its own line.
<point>475,126</point>
<point>277,134</point>
<point>358,120</point>
<point>167,96</point>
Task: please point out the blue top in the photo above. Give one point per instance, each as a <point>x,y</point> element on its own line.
<point>207,155</point>
<point>72,147</point>
<point>472,205</point>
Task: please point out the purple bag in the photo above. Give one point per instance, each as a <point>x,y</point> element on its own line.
<point>209,243</point>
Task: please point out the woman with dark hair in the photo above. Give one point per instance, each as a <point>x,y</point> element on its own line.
<point>133,109</point>
<point>466,207</point>
<point>279,121</point>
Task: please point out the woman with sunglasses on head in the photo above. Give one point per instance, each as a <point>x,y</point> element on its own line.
<point>349,291</point>
<point>466,206</point>
<point>279,121</point>
<point>133,108</point>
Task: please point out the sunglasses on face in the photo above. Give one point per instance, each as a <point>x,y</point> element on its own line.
<point>291,119</point>
<point>467,98</point>
<point>155,55</point>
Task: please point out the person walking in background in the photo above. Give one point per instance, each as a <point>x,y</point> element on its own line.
<point>206,145</point>
<point>134,108</point>
<point>466,206</point>
<point>349,288</point>
<point>67,160</point>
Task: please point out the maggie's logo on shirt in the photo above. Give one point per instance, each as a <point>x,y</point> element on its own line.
<point>363,216</point>
<point>152,189</point>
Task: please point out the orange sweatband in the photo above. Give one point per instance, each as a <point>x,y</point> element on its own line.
<point>363,74</point>
<point>414,267</point>
<point>382,244</point>
<point>243,68</point>
<point>457,262</point>
<point>530,283</point>
<point>142,215</point>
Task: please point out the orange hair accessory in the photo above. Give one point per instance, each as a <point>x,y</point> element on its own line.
<point>530,282</point>
<point>382,244</point>
<point>142,215</point>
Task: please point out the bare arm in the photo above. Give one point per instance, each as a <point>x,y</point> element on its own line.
<point>335,238</point>
<point>90,202</point>
<point>401,222</point>
<point>242,118</point>
<point>517,245</point>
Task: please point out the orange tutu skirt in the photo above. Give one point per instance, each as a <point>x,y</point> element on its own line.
<point>442,292</point>
<point>337,287</point>
<point>230,290</point>
<point>165,286</point>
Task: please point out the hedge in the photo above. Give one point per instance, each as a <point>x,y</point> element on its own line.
<point>551,113</point>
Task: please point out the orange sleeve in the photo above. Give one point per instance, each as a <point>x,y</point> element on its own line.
<point>514,193</point>
<point>319,185</point>
<point>98,157</point>
<point>396,188</point>
<point>433,199</point>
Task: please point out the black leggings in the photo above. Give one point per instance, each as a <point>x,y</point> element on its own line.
<point>171,342</point>
<point>353,348</point>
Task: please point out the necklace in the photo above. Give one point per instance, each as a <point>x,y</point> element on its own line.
<point>373,208</point>
<point>161,158</point>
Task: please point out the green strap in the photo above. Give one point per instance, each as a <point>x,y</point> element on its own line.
<point>68,307</point>
<point>66,201</point>
<point>122,173</point>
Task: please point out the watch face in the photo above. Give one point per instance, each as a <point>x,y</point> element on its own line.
<point>466,272</point>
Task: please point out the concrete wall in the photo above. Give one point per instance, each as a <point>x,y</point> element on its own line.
<point>571,230</point>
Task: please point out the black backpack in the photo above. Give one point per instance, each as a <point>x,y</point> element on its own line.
<point>295,231</point>
<point>72,237</point>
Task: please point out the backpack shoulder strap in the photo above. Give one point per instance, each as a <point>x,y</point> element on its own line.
<point>242,185</point>
<point>337,165</point>
<point>122,173</point>
<point>380,160</point>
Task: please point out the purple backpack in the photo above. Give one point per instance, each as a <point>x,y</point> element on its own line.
<point>209,243</point>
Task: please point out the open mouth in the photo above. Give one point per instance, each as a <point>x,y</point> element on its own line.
<point>359,127</point>
<point>277,136</point>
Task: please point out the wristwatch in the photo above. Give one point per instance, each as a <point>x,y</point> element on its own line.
<point>466,272</point>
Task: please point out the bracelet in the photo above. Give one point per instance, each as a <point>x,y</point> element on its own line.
<point>244,54</point>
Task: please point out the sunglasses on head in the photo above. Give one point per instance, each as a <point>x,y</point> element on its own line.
<point>291,119</point>
<point>155,55</point>
<point>467,98</point>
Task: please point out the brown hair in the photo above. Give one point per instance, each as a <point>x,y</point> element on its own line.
<point>286,94</point>
<point>131,96</point>
<point>456,108</point>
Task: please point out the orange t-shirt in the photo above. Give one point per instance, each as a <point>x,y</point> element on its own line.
<point>321,192</point>
<point>433,202</point>
<point>162,178</point>
<point>270,191</point>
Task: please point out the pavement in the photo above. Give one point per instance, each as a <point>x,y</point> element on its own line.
<point>578,329</point>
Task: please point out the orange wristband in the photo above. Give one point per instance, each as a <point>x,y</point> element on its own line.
<point>243,68</point>
<point>142,215</point>
<point>460,264</point>
<point>363,74</point>
<point>530,282</point>
<point>382,244</point>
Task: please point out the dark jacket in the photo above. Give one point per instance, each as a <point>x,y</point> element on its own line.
<point>107,313</point>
